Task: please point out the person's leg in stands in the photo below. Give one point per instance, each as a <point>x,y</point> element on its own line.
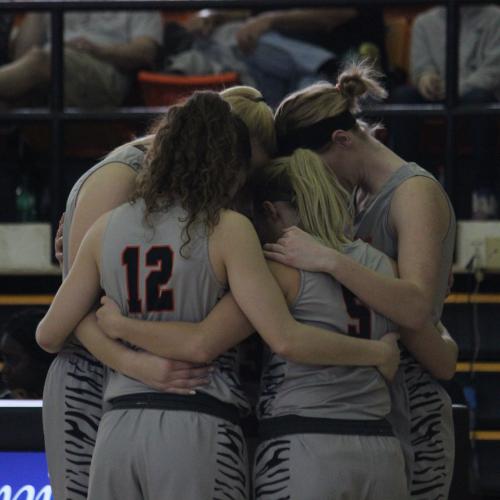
<point>29,72</point>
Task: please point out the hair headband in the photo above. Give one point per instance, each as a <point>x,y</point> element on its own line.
<point>316,135</point>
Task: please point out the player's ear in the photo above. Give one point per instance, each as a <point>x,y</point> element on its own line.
<point>270,211</point>
<point>342,138</point>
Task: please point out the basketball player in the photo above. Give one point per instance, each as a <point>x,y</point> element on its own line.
<point>404,212</point>
<point>177,240</point>
<point>70,420</point>
<point>73,388</point>
<point>323,429</point>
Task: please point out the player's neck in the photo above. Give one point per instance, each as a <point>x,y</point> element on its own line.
<point>376,166</point>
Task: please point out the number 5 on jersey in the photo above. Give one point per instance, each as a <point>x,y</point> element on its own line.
<point>360,315</point>
<point>160,259</point>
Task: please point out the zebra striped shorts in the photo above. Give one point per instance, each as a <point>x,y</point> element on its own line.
<point>153,454</point>
<point>72,409</point>
<point>329,466</point>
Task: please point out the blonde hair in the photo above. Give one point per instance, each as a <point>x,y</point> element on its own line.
<point>324,100</point>
<point>249,105</point>
<point>322,203</point>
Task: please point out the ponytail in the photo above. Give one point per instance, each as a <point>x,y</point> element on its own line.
<point>359,79</point>
<point>322,203</point>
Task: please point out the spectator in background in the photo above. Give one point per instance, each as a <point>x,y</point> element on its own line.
<point>277,51</point>
<point>341,30</point>
<point>102,50</point>
<point>25,364</point>
<point>478,83</point>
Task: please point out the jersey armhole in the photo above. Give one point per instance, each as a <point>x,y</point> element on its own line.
<point>286,282</point>
<point>300,290</point>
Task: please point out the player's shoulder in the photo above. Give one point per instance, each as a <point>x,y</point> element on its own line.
<point>421,199</point>
<point>420,180</point>
<point>418,192</point>
<point>233,231</point>
<point>234,221</point>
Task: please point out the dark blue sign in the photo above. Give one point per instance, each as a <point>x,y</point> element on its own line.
<point>23,476</point>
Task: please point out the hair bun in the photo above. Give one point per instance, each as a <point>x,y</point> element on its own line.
<point>352,85</point>
<point>359,79</point>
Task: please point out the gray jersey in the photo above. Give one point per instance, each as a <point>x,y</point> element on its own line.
<point>421,413</point>
<point>145,273</point>
<point>372,225</point>
<point>330,391</point>
<point>130,156</point>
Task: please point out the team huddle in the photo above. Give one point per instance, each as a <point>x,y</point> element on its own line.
<point>144,400</point>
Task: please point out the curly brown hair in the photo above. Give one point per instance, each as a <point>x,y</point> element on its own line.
<point>200,152</point>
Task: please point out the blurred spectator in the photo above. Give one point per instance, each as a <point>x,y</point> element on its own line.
<point>25,364</point>
<point>341,30</point>
<point>102,50</point>
<point>277,51</point>
<point>478,83</point>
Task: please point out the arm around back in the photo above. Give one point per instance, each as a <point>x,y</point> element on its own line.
<point>434,349</point>
<point>260,298</point>
<point>197,342</point>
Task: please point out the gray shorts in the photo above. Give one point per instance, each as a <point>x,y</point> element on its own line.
<point>167,454</point>
<point>330,467</point>
<point>72,409</point>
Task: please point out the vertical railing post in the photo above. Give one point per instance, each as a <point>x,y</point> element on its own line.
<point>56,108</point>
<point>452,71</point>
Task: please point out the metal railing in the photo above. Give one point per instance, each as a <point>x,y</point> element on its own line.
<point>57,114</point>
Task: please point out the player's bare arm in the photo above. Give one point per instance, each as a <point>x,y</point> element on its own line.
<point>200,342</point>
<point>157,372</point>
<point>77,294</point>
<point>434,349</point>
<point>259,296</point>
<point>299,249</point>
